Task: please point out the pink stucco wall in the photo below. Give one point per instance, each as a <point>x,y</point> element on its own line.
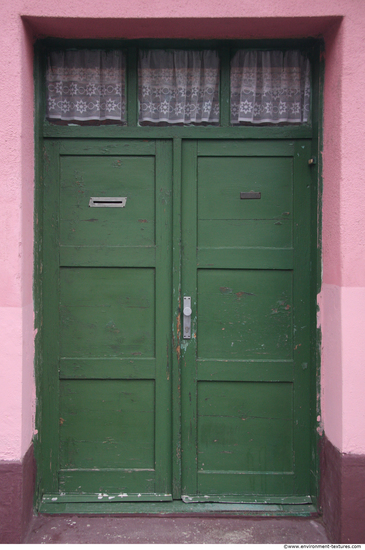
<point>342,300</point>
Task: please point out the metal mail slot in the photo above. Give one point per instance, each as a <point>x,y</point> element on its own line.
<point>108,202</point>
<point>250,195</point>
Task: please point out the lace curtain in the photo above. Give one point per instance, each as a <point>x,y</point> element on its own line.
<point>86,85</point>
<point>270,86</point>
<point>179,86</point>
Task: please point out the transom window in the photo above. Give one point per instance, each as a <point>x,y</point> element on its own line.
<point>85,85</point>
<point>178,86</point>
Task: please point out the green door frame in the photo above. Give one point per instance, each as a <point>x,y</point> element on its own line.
<point>45,131</point>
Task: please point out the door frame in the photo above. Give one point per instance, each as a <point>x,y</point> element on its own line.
<point>45,130</point>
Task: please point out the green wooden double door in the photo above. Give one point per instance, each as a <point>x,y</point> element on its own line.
<point>132,410</point>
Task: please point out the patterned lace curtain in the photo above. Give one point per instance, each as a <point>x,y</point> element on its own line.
<point>178,86</point>
<point>270,86</point>
<point>86,85</point>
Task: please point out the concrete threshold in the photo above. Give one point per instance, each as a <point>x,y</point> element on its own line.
<point>75,529</point>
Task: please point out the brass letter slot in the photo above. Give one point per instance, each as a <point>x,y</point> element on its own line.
<point>250,195</point>
<point>108,202</point>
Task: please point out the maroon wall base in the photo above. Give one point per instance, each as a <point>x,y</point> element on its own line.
<point>16,498</point>
<point>342,494</point>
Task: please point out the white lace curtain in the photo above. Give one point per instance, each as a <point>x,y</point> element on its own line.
<point>179,86</point>
<point>86,85</point>
<point>270,86</point>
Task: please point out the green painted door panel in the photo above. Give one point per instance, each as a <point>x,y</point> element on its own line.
<point>107,424</point>
<point>88,176</point>
<point>245,423</point>
<point>245,391</point>
<point>107,312</point>
<point>224,220</point>
<point>245,314</point>
<point>108,350</point>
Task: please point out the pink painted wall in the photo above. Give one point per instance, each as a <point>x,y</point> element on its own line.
<point>16,244</point>
<point>342,300</point>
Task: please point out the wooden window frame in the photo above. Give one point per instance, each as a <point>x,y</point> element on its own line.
<point>226,50</point>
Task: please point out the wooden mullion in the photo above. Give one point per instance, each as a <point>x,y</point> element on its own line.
<point>106,147</point>
<point>225,100</point>
<point>176,320</point>
<point>163,317</point>
<point>189,347</point>
<point>132,87</point>
<point>303,131</point>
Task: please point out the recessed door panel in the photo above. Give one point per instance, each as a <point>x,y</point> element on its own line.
<point>262,219</point>
<point>130,177</point>
<point>107,312</point>
<point>245,427</point>
<point>107,424</point>
<point>244,314</point>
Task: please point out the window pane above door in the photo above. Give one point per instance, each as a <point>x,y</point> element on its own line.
<point>178,87</point>
<point>86,85</point>
<point>270,87</point>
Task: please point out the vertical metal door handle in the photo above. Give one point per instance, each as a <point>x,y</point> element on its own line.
<point>187,318</point>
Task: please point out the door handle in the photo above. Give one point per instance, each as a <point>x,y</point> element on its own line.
<point>187,311</point>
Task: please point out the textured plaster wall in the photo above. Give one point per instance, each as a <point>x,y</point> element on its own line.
<point>342,299</point>
<point>17,401</point>
<point>343,378</point>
